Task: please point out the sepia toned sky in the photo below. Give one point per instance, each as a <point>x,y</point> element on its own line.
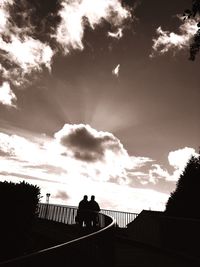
<point>98,97</point>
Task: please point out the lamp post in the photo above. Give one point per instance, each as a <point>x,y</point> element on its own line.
<point>47,205</point>
<point>47,197</point>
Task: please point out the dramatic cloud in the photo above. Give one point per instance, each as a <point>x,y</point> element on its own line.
<point>83,13</point>
<point>76,151</point>
<point>31,33</point>
<point>151,174</point>
<point>21,54</point>
<point>61,195</point>
<point>115,71</point>
<point>54,166</point>
<point>26,53</point>
<point>7,97</point>
<point>89,145</point>
<point>156,174</point>
<point>94,160</point>
<point>170,41</point>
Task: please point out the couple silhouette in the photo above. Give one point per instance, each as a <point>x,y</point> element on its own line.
<point>87,213</point>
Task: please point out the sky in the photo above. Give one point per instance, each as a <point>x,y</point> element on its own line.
<point>98,97</point>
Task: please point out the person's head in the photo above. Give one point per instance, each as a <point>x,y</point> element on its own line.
<point>85,197</point>
<point>92,197</point>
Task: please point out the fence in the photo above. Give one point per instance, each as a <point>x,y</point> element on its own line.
<point>67,214</point>
<point>122,218</point>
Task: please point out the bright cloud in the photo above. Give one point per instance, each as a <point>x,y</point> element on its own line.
<point>81,160</point>
<point>4,15</point>
<point>7,97</point>
<point>21,54</point>
<point>101,165</point>
<point>138,162</point>
<point>29,54</point>
<point>167,41</point>
<point>115,71</point>
<point>117,35</point>
<point>151,174</point>
<point>86,13</point>
<point>78,150</point>
<point>157,172</point>
<point>106,153</point>
<point>179,158</point>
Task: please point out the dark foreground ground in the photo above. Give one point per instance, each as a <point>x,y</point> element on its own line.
<point>127,252</point>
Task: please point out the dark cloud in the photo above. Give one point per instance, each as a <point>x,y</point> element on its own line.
<point>62,195</point>
<point>87,144</point>
<point>40,18</point>
<point>4,154</point>
<point>83,139</point>
<point>87,156</point>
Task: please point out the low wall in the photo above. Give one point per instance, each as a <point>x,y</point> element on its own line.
<point>181,235</point>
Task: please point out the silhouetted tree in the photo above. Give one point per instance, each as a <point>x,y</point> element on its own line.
<point>184,201</point>
<point>194,12</point>
<point>18,208</point>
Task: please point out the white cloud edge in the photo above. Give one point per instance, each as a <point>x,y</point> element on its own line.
<point>116,70</point>
<point>170,41</point>
<point>7,96</point>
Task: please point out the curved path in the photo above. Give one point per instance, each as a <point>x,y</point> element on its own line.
<point>94,249</point>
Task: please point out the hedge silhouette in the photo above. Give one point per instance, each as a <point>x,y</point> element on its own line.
<point>18,207</point>
<point>184,201</point>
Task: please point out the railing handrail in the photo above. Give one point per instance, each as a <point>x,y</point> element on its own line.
<point>17,259</point>
<point>60,245</point>
<point>76,207</point>
<point>122,218</point>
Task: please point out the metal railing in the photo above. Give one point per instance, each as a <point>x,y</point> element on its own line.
<point>67,214</point>
<point>122,218</point>
<point>58,213</point>
<point>95,249</point>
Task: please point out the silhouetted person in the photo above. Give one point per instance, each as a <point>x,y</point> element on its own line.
<point>82,212</point>
<point>94,208</point>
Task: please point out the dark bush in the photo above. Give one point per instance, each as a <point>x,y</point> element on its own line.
<point>18,207</point>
